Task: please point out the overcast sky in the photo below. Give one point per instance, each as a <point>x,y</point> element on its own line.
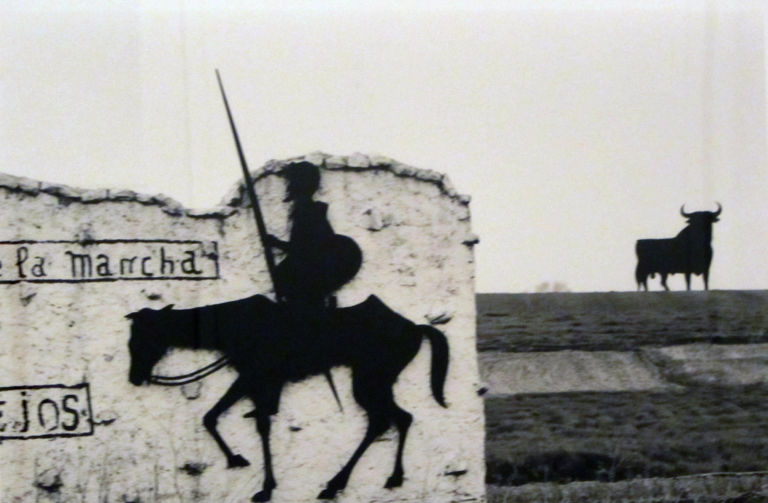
<point>575,131</point>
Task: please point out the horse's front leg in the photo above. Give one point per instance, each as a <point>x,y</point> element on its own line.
<point>211,418</point>
<point>266,405</point>
<point>263,426</point>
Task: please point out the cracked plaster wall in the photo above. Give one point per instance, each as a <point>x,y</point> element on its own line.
<point>148,443</point>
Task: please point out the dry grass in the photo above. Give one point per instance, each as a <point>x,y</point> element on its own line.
<point>624,435</point>
<point>706,488</point>
<point>619,321</point>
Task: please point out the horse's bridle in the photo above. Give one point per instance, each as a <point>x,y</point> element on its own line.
<point>191,377</point>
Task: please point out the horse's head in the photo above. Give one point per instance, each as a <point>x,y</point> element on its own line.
<point>146,344</point>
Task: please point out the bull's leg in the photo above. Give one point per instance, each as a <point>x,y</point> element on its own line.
<point>371,393</point>
<point>211,418</point>
<point>687,281</point>
<point>403,421</point>
<point>706,280</point>
<point>664,281</point>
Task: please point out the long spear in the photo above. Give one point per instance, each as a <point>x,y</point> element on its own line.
<point>268,255</point>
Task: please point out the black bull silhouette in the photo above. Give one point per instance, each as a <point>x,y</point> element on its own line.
<point>268,349</point>
<point>690,252</point>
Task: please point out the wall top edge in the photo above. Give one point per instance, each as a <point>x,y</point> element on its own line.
<point>233,200</point>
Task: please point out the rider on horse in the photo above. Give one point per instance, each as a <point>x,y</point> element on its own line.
<point>318,261</point>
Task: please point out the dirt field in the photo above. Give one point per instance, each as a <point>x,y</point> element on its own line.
<point>637,393</point>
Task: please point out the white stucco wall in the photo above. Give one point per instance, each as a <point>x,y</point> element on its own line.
<point>147,444</point>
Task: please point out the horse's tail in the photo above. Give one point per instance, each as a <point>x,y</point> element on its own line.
<point>439,368</point>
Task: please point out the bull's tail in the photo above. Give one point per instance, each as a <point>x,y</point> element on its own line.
<point>639,272</point>
<point>439,367</point>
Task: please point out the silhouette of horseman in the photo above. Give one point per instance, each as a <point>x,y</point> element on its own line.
<point>270,344</point>
<point>318,261</point>
<point>303,334</point>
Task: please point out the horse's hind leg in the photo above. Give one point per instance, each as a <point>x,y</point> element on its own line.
<point>376,426</point>
<point>369,394</point>
<point>211,418</point>
<point>403,421</point>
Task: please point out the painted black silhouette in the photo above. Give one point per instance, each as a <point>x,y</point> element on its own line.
<point>318,261</point>
<point>690,252</point>
<point>302,334</point>
<point>261,343</point>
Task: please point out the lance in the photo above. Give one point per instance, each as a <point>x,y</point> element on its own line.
<point>262,228</point>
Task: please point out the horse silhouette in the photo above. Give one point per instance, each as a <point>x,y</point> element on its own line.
<point>268,349</point>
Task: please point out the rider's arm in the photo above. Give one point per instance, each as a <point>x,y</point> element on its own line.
<point>275,242</point>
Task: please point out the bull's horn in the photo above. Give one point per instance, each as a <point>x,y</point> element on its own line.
<point>683,213</point>
<point>719,210</point>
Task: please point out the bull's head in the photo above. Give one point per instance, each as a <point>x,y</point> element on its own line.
<point>705,217</point>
